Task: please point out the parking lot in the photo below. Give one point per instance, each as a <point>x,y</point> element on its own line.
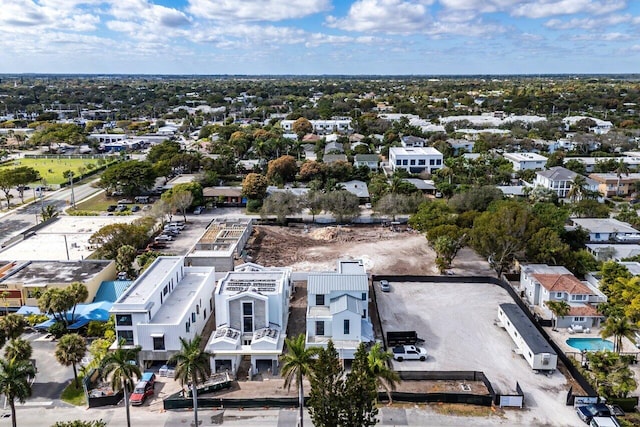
<point>456,320</point>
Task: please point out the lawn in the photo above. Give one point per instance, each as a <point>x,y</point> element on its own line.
<point>74,396</point>
<point>52,169</point>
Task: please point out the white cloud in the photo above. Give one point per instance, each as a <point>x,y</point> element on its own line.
<point>588,23</point>
<point>604,37</point>
<point>21,15</point>
<point>388,16</point>
<point>546,8</point>
<point>256,10</point>
<point>143,20</point>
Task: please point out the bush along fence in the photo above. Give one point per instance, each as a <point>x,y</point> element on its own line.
<point>571,368</point>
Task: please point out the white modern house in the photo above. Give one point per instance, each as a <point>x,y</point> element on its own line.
<point>252,310</point>
<point>220,244</point>
<point>526,161</point>
<point>528,340</point>
<point>322,127</point>
<point>559,180</point>
<point>606,230</point>
<point>542,283</point>
<point>415,160</point>
<point>166,302</point>
<point>600,127</point>
<point>338,308</point>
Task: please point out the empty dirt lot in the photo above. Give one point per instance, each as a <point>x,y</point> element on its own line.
<point>383,251</point>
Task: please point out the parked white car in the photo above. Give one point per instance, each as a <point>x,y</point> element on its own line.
<point>409,352</point>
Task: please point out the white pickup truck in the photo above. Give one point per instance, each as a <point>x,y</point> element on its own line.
<point>409,352</point>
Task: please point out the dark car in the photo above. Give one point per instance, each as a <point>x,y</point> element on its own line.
<point>586,413</point>
<point>136,208</point>
<point>111,208</point>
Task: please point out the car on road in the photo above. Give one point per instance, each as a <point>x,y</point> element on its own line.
<point>136,208</point>
<point>163,238</point>
<point>121,208</point>
<point>385,286</point>
<point>409,352</point>
<point>587,412</point>
<point>143,390</point>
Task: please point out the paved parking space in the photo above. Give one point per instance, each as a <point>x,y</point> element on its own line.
<point>456,321</point>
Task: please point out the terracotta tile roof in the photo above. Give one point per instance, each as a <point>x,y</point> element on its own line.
<point>585,310</point>
<point>563,283</point>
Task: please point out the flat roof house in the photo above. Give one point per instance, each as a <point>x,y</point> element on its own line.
<point>338,308</point>
<point>166,302</point>
<point>529,341</point>
<point>221,243</point>
<point>526,161</point>
<point>252,311</point>
<point>606,229</point>
<point>415,160</point>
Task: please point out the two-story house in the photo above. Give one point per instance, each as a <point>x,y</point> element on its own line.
<point>252,309</point>
<point>338,308</point>
<point>526,161</point>
<point>606,229</point>
<point>542,283</point>
<point>610,184</point>
<point>369,160</point>
<point>412,141</point>
<point>560,180</point>
<point>415,160</point>
<point>166,302</point>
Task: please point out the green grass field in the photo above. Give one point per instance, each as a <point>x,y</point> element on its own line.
<point>52,169</point>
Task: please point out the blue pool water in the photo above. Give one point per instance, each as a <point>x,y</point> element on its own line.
<point>590,344</point>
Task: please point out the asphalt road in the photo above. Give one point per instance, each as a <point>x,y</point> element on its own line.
<point>20,219</point>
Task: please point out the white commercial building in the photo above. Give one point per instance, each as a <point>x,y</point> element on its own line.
<point>415,160</point>
<point>167,302</point>
<point>252,310</point>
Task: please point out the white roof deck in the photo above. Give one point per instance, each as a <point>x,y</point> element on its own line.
<point>265,282</point>
<point>142,289</point>
<point>180,300</point>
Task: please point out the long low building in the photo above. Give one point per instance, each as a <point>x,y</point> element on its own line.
<point>529,341</point>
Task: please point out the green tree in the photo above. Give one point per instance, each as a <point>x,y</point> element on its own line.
<point>193,366</point>
<point>14,382</point>
<point>311,170</point>
<point>18,348</point>
<point>78,293</point>
<point>325,398</point>
<point>56,302</point>
<point>131,177</point>
<point>546,247</point>
<point>559,309</point>
<point>24,175</point>
<point>394,204</point>
<point>164,151</point>
<point>342,204</point>
<point>610,373</point>
<point>254,186</point>
<point>125,259</point>
<point>117,364</point>
<point>181,201</point>
<point>112,237</point>
<point>48,212</point>
<point>618,328</point>
<point>194,188</point>
<point>378,367</point>
<point>281,204</point>
<point>314,201</point>
<point>431,214</point>
<point>11,327</point>
<point>577,190</point>
<point>7,182</point>
<point>297,363</point>
<point>282,170</point>
<point>360,393</point>
<point>69,352</point>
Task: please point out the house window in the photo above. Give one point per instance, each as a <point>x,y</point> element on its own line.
<point>193,317</point>
<point>558,294</point>
<point>127,336</point>
<point>187,326</point>
<point>319,299</point>
<point>413,162</point>
<point>422,162</point>
<point>346,326</point>
<point>432,162</point>
<point>247,317</point>
<point>197,309</point>
<point>124,320</point>
<point>404,162</point>
<point>165,291</point>
<point>597,235</point>
<point>398,162</point>
<point>578,319</point>
<point>364,296</point>
<point>578,297</point>
<point>438,161</point>
<point>319,327</point>
<point>364,313</point>
<point>158,343</point>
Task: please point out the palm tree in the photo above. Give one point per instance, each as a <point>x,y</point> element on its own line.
<point>19,349</point>
<point>379,368</point>
<point>577,188</point>
<point>618,328</point>
<point>118,364</point>
<point>559,309</point>
<point>14,382</point>
<point>296,364</point>
<point>193,366</point>
<point>622,168</point>
<point>70,350</point>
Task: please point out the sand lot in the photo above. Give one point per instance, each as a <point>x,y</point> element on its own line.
<point>457,323</point>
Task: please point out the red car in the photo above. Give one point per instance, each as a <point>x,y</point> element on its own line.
<point>141,392</point>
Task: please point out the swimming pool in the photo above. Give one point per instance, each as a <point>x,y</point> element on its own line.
<point>590,344</point>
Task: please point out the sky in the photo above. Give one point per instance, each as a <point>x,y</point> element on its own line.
<point>312,37</point>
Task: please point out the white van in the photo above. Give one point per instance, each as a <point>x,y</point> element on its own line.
<point>604,422</point>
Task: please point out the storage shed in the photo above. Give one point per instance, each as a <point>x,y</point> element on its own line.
<point>529,342</point>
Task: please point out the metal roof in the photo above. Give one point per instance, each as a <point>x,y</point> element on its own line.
<point>325,283</point>
<point>526,329</point>
<point>346,302</point>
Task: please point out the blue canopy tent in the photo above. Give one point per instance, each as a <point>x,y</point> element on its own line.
<point>85,313</point>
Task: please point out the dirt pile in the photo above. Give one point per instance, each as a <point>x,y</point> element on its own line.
<point>332,234</point>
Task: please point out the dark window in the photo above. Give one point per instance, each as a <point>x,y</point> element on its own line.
<point>346,326</point>
<point>319,328</point>
<point>413,162</point>
<point>438,161</point>
<point>405,162</point>
<point>127,336</point>
<point>421,162</point>
<point>187,326</point>
<point>124,320</point>
<point>193,317</point>
<point>197,309</point>
<point>211,304</point>
<point>165,290</point>
<point>398,162</point>
<point>158,343</point>
<point>247,316</point>
<point>319,299</point>
<point>364,296</point>
<point>432,162</point>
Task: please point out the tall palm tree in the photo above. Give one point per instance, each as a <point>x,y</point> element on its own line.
<point>618,328</point>
<point>118,364</point>
<point>559,309</point>
<point>622,168</point>
<point>296,364</point>
<point>576,192</point>
<point>19,349</point>
<point>193,366</point>
<point>377,364</point>
<point>14,382</point>
<point>70,350</point>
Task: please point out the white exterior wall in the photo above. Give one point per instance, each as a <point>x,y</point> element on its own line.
<point>337,326</point>
<point>415,160</point>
